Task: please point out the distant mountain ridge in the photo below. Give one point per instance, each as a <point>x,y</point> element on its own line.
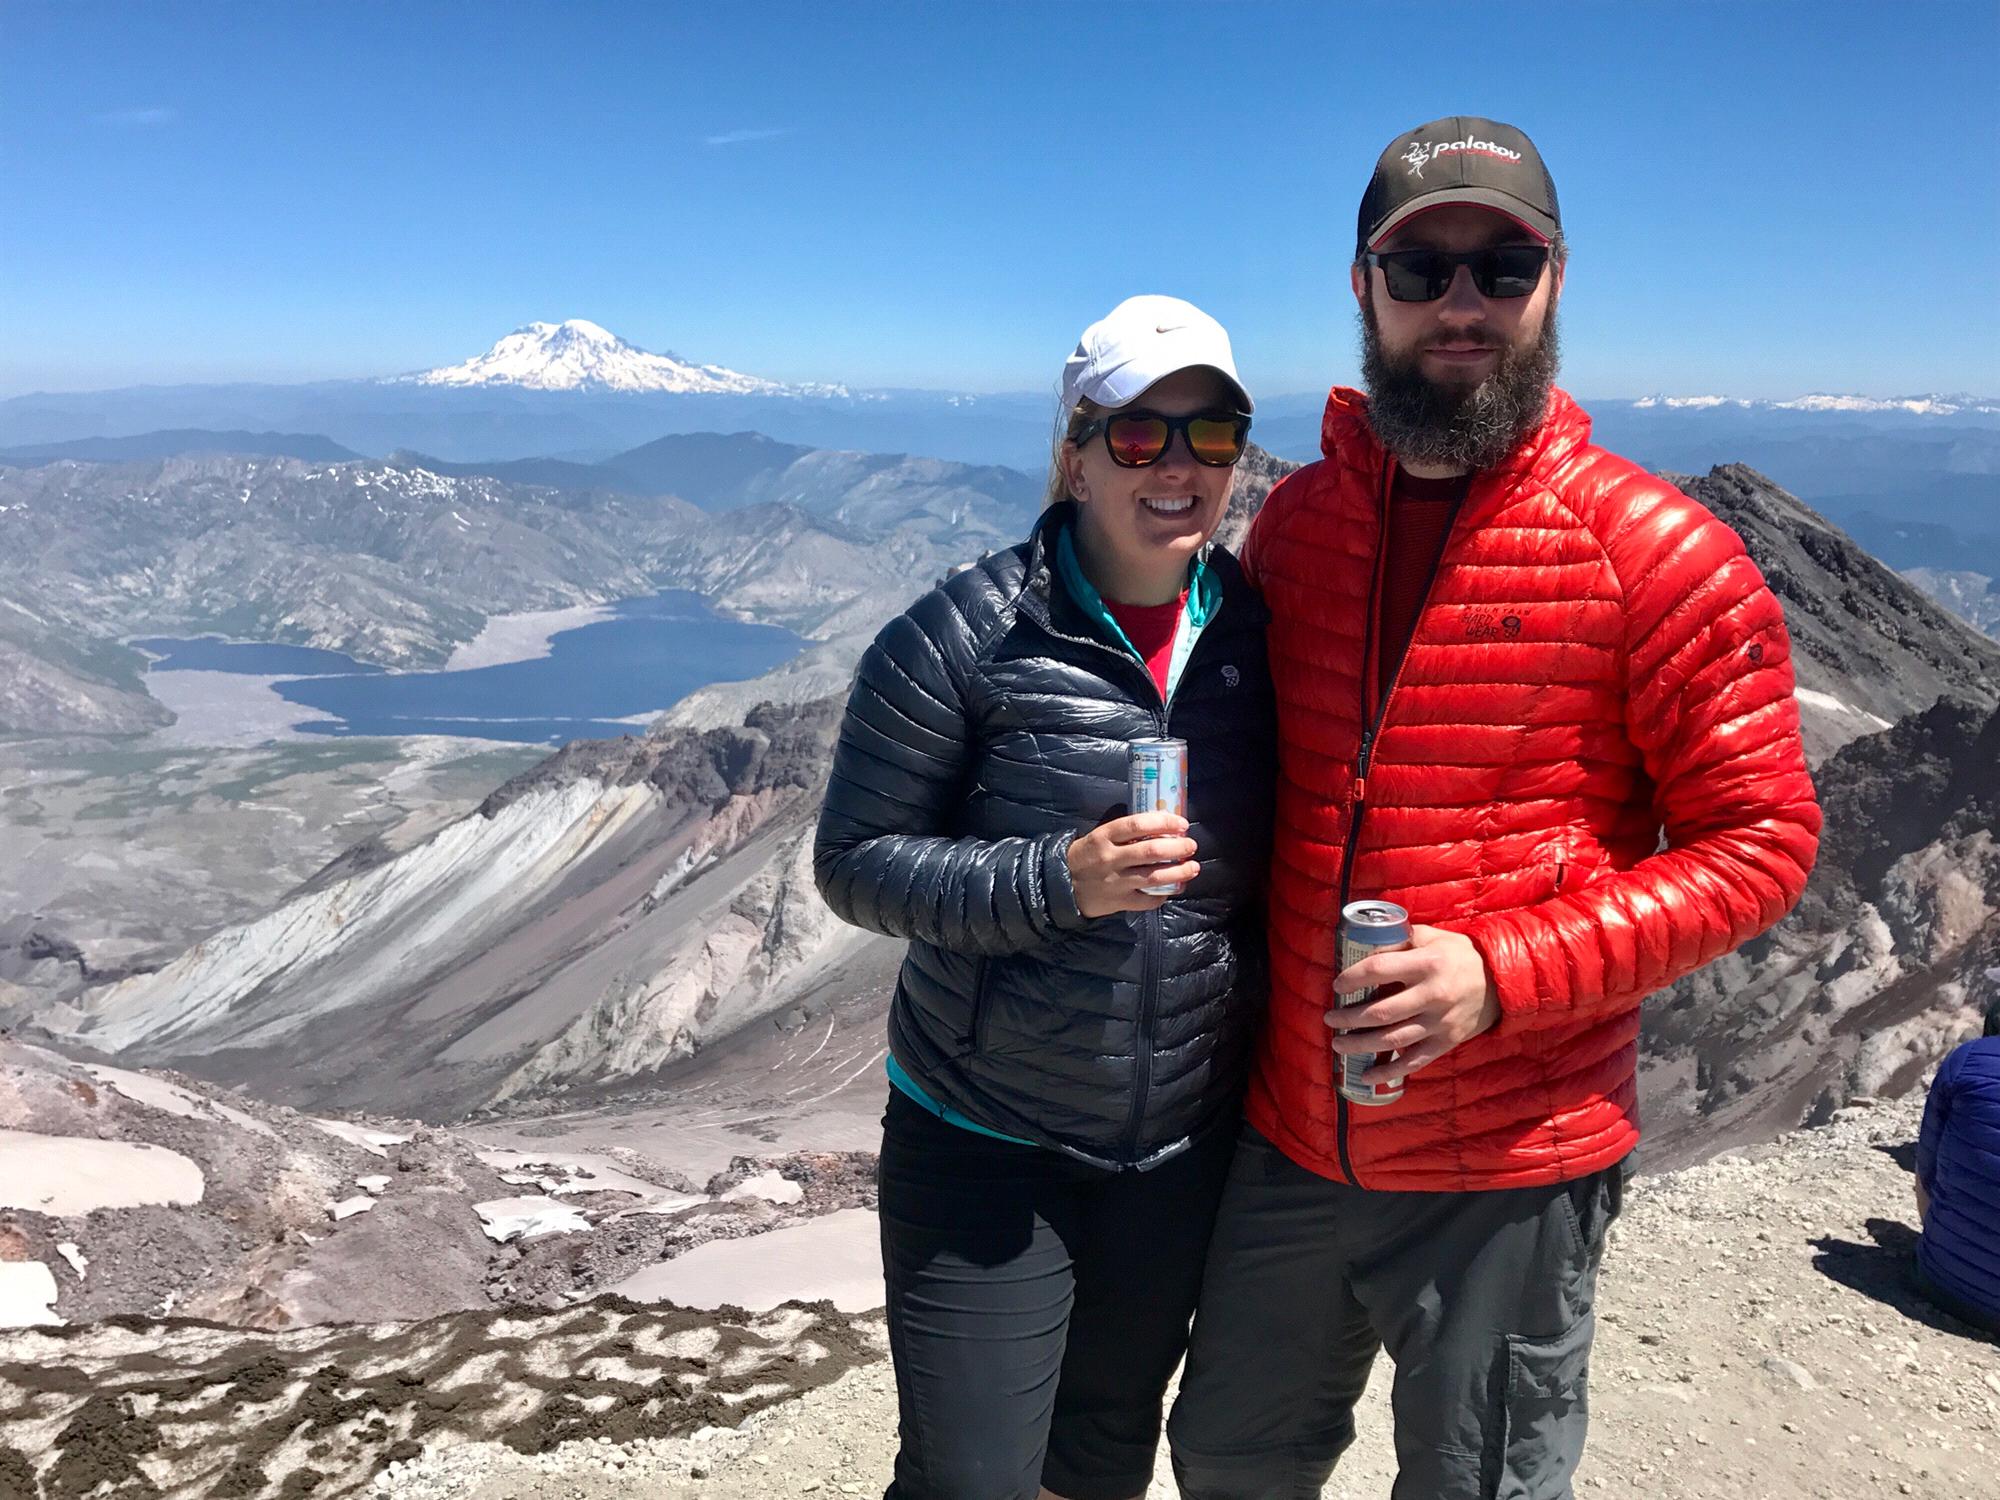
<point>1921,406</point>
<point>575,386</point>
<point>179,443</point>
<point>1973,596</point>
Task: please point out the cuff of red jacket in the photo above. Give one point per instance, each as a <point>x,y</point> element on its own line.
<point>1509,965</point>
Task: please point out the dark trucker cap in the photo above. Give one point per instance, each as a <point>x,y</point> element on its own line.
<point>1459,159</point>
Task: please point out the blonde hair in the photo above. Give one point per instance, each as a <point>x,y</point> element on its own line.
<point>1068,424</point>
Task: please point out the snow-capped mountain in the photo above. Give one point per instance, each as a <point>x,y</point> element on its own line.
<point>1921,406</point>
<point>578,355</point>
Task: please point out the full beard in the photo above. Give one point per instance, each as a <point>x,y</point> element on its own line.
<point>1458,426</point>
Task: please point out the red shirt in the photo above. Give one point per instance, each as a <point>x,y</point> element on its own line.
<point>1150,628</point>
<point>1420,516</point>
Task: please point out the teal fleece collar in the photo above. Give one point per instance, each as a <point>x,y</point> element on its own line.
<point>1204,590</point>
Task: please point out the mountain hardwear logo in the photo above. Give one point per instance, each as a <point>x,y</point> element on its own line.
<point>1422,153</point>
<point>1484,625</point>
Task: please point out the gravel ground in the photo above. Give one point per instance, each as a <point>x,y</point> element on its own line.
<point>1758,1342</point>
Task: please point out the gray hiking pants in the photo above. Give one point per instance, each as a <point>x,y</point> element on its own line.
<point>1483,1300</point>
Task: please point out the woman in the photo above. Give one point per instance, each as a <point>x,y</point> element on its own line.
<point>1066,1049</point>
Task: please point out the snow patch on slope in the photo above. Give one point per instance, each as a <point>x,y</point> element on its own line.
<point>525,1218</point>
<point>27,1295</point>
<point>1827,703</point>
<point>65,1176</point>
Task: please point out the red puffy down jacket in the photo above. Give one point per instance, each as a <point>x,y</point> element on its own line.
<point>1589,763</point>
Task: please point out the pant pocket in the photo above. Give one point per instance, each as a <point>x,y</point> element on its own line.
<point>1547,1411</point>
<point>1588,1205</point>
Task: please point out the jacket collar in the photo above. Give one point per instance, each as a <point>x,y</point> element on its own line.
<point>1061,598</point>
<point>1203,591</point>
<point>1347,439</point>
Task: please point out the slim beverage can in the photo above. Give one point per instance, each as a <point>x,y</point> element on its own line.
<point>1367,927</point>
<point>1157,777</point>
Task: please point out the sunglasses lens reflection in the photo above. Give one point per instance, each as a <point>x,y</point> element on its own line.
<point>1510,271</point>
<point>1137,441</point>
<point>1215,440</point>
<point>1417,275</point>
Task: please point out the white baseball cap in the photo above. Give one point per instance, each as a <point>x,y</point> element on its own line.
<point>1140,342</point>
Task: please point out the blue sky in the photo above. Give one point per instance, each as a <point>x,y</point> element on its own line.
<point>1762,198</point>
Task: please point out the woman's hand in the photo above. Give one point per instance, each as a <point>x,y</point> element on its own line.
<point>1109,864</point>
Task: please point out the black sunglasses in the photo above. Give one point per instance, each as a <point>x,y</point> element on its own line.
<point>1138,438</point>
<point>1426,275</point>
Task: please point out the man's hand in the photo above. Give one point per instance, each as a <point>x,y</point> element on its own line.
<point>1445,998</point>
<point>1109,864</point>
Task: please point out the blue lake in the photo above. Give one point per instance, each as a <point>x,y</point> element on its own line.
<point>652,653</point>
<point>258,658</point>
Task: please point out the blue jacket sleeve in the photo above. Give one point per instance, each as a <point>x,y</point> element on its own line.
<point>1937,1109</point>
<point>885,856</point>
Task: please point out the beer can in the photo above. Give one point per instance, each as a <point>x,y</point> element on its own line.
<point>1157,778</point>
<point>1367,927</point>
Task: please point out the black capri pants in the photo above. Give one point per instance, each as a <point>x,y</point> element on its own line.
<point>1037,1307</point>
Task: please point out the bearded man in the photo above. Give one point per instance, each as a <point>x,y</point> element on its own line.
<point>1542,700</point>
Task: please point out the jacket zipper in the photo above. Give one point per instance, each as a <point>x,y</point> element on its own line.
<point>1149,984</point>
<point>975,1039</point>
<point>1371,729</point>
<point>1154,938</point>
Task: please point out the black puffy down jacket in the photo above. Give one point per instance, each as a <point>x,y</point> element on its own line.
<point>987,728</point>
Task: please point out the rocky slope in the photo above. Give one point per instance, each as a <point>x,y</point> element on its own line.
<point>598,917</point>
<point>129,1192</point>
<point>358,1291</point>
<point>51,684</point>
<point>119,858</point>
<point>1255,474</point>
